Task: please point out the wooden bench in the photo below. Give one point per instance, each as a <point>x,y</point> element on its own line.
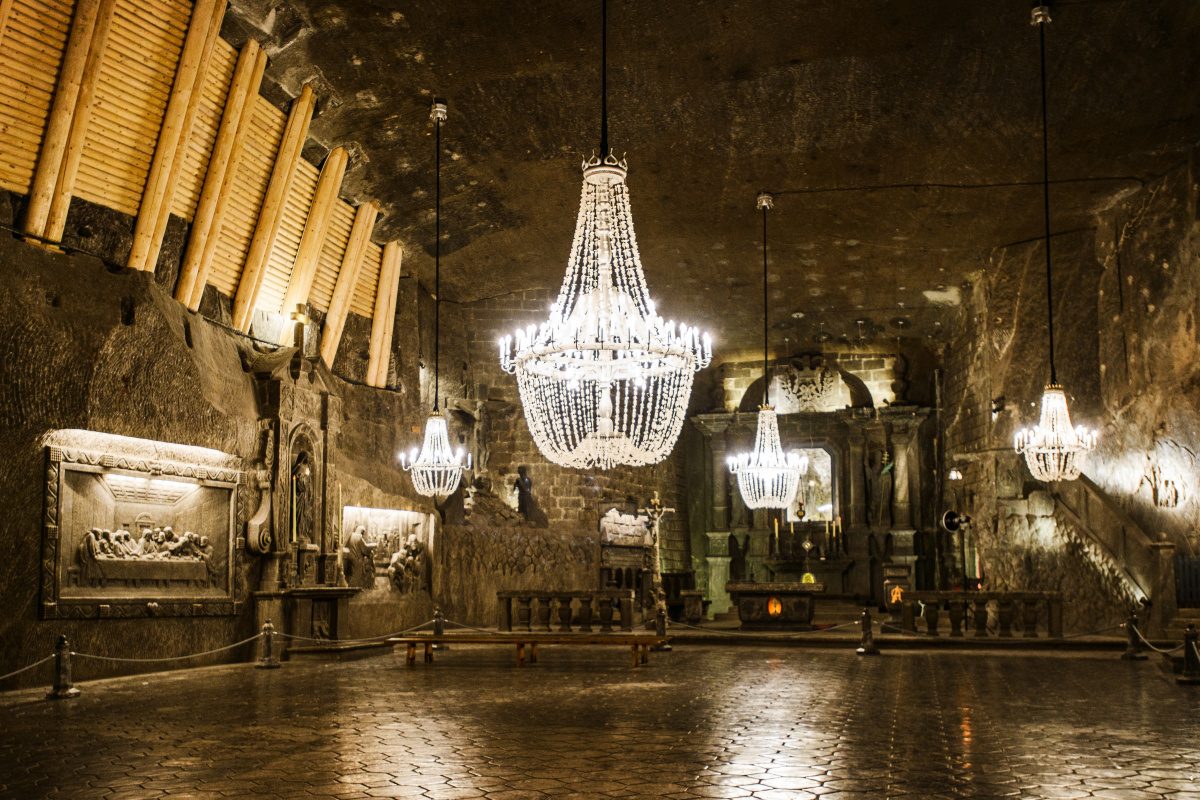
<point>638,643</point>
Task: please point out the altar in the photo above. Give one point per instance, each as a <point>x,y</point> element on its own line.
<point>787,605</point>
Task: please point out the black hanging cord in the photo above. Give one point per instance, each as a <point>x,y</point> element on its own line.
<point>1046,204</point>
<point>766,379</point>
<point>437,260</point>
<point>603,78</point>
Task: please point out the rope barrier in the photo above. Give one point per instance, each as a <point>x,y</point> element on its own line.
<point>1147,642</point>
<point>167,658</point>
<point>27,668</point>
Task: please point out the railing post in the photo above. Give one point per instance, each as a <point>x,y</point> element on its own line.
<point>62,688</point>
<point>980,617</point>
<point>268,659</point>
<point>958,609</point>
<point>1133,642</point>
<point>931,612</point>
<point>564,613</point>
<point>439,622</point>
<point>867,646</point>
<point>1191,657</point>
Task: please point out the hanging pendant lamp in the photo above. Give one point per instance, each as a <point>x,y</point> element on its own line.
<point>605,380</point>
<point>1052,448</point>
<point>437,469</point>
<point>767,477</point>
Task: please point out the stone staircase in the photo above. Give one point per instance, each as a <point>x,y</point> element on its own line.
<point>1139,567</point>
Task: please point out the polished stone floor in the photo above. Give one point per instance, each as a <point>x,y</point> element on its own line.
<point>699,722</point>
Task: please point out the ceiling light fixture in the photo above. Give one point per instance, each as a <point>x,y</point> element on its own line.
<point>1052,448</point>
<point>437,469</point>
<point>767,477</point>
<point>605,380</point>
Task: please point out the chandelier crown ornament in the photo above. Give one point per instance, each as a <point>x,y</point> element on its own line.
<point>1052,448</point>
<point>605,380</point>
<point>767,477</point>
<point>437,468</point>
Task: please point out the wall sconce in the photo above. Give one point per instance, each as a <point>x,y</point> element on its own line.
<point>955,474</point>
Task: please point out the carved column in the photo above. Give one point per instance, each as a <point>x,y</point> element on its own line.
<point>856,496</point>
<point>714,434</point>
<point>902,439</point>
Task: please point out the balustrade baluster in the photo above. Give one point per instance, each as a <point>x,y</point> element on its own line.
<point>1005,613</point>
<point>524,613</point>
<point>981,617</point>
<point>564,613</point>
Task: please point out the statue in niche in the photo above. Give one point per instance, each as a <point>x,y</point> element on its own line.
<point>303,529</point>
<point>360,560</point>
<point>526,504</point>
<point>737,557</point>
<point>880,482</point>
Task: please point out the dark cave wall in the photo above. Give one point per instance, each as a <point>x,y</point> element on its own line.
<point>1126,351</point>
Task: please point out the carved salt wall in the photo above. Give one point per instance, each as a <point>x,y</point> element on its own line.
<point>1127,354</point>
<point>476,561</point>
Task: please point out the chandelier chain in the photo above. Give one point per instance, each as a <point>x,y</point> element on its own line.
<point>1041,23</point>
<point>766,367</point>
<point>603,78</point>
<point>437,260</point>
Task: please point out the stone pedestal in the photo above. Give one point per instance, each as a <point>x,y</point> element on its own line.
<point>718,571</point>
<point>775,605</point>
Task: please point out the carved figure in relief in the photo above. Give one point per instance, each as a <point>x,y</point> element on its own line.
<point>360,562</point>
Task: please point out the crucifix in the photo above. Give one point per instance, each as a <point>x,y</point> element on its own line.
<point>655,511</point>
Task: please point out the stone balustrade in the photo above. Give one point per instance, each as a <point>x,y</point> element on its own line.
<point>566,610</point>
<point>1014,612</point>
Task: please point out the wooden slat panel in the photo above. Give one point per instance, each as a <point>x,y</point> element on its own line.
<point>204,130</point>
<point>249,187</point>
<point>337,236</point>
<point>135,80</point>
<point>368,279</point>
<point>287,241</point>
<point>30,55</point>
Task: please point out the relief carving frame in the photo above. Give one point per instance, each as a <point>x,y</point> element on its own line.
<point>62,461</point>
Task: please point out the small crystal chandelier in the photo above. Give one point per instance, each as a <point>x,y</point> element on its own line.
<point>437,469</point>
<point>767,477</point>
<point>1053,448</point>
<point>605,380</point>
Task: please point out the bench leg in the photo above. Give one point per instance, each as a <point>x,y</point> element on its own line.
<point>520,654</point>
<point>429,652</point>
<point>533,652</point>
<point>410,656</point>
<point>635,656</point>
<point>645,654</point>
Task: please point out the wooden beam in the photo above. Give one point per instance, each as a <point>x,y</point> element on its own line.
<point>385,314</point>
<point>64,187</point>
<point>347,280</point>
<point>271,213</point>
<point>184,101</point>
<point>316,227</point>
<point>218,180</point>
<point>58,124</point>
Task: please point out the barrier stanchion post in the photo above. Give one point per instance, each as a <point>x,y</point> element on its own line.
<point>867,646</point>
<point>268,660</point>
<point>1191,657</point>
<point>660,630</point>
<point>1133,645</point>
<point>62,688</point>
<point>439,629</point>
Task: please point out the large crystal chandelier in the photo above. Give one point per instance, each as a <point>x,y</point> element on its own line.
<point>605,380</point>
<point>437,469</point>
<point>767,477</point>
<point>1053,448</point>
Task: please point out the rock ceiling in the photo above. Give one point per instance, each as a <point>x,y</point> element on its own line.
<point>900,136</point>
